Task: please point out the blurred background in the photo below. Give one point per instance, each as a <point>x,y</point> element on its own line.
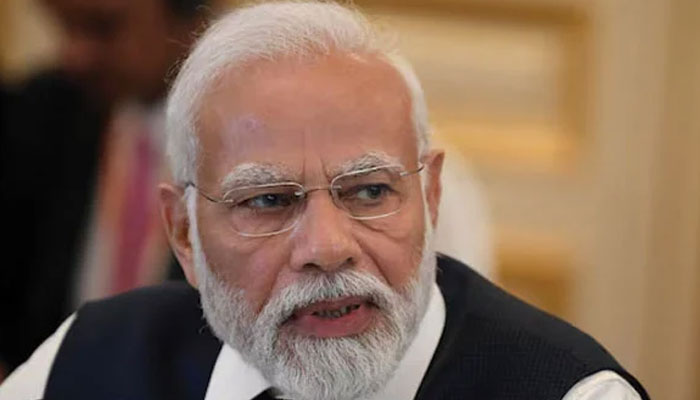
<point>579,125</point>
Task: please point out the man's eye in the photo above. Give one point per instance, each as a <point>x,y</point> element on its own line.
<point>267,201</point>
<point>369,192</point>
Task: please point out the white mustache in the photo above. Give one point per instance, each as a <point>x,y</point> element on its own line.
<point>323,287</point>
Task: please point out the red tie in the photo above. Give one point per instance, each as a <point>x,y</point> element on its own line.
<point>135,217</point>
<point>125,246</point>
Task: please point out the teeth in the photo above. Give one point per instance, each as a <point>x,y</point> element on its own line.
<point>336,313</point>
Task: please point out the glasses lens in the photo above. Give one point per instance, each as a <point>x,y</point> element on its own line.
<point>264,209</point>
<point>371,194</point>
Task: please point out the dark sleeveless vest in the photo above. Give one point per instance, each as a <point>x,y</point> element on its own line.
<point>154,344</point>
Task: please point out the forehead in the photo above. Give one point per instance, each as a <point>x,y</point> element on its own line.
<point>301,114</point>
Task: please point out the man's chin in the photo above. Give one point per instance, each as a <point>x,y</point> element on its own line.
<point>340,367</point>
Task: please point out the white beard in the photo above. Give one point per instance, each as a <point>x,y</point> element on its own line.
<point>313,368</point>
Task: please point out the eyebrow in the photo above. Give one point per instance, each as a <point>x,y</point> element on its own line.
<point>253,173</point>
<point>370,159</point>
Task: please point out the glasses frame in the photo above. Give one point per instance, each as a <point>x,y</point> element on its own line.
<point>303,195</point>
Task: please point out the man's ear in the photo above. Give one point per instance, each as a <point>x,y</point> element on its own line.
<point>173,211</point>
<point>433,191</point>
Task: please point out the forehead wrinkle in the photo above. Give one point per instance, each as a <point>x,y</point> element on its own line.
<point>253,173</point>
<point>371,159</point>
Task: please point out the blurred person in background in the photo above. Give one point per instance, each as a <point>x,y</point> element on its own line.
<point>80,155</point>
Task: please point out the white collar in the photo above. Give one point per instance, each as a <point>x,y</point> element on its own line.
<point>234,379</point>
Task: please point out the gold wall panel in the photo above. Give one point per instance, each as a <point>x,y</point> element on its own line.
<point>505,84</point>
<point>536,268</point>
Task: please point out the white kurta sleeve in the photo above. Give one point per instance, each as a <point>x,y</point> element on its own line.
<point>29,380</point>
<point>603,385</point>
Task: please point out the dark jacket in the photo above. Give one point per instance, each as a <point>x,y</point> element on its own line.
<point>154,344</point>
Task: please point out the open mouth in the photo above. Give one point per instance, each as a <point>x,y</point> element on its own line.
<point>334,318</point>
<point>337,313</point>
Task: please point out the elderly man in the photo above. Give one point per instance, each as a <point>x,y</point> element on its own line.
<point>305,194</point>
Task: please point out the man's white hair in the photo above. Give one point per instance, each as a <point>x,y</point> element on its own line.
<point>270,31</point>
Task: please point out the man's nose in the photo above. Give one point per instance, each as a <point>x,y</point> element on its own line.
<point>323,237</point>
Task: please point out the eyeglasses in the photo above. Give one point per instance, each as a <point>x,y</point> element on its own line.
<point>270,209</point>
